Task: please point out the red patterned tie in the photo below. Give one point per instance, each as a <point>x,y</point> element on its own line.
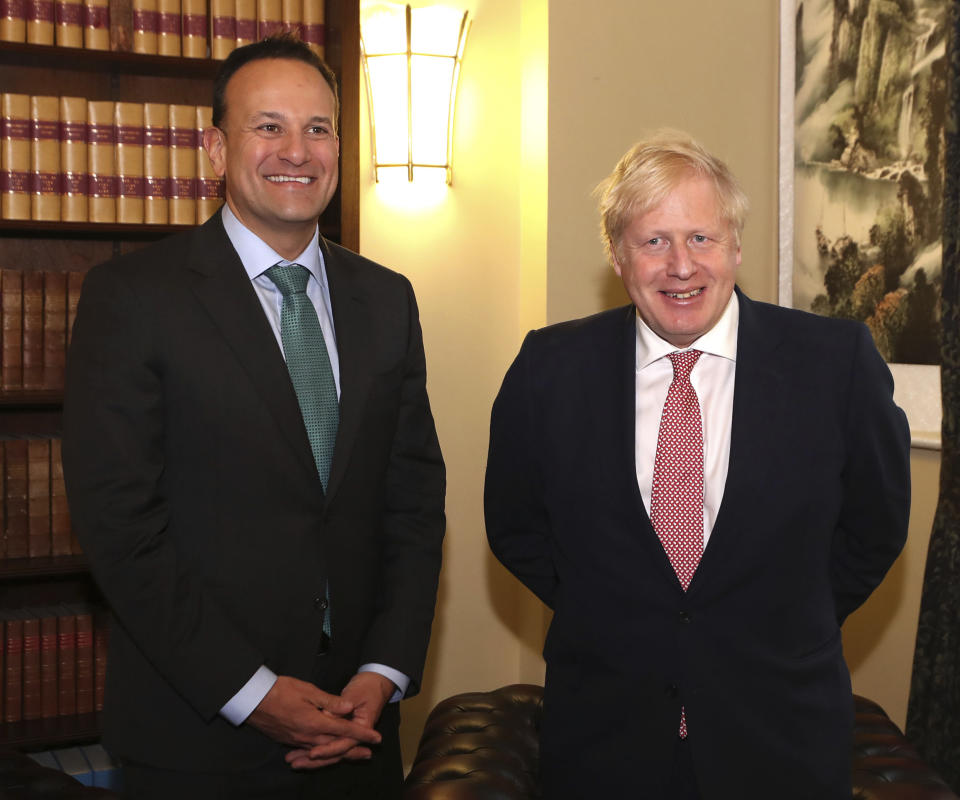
<point>676,504</point>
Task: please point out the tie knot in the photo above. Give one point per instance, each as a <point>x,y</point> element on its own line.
<point>683,363</point>
<point>289,278</point>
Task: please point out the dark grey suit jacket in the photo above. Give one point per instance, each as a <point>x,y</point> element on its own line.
<point>194,493</point>
<point>814,512</point>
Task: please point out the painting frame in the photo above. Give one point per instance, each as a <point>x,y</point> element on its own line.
<point>917,386</point>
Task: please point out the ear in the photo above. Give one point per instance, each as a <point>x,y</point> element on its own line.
<point>738,255</point>
<point>214,142</point>
<point>615,262</point>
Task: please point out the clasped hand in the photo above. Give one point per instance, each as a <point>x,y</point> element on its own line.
<point>323,728</point>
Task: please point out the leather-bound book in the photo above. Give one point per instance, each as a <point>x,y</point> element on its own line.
<point>38,496</point>
<point>246,11</point>
<point>15,155</point>
<point>96,24</point>
<point>54,329</point>
<point>13,21</point>
<point>60,541</point>
<point>15,482</point>
<point>291,15</point>
<point>32,708</point>
<point>156,163</point>
<point>223,28</point>
<point>11,329</point>
<point>101,161</point>
<point>74,283</point>
<point>68,18</point>
<point>314,31</point>
<point>269,18</point>
<point>66,661</point>
<point>73,159</point>
<point>194,25</point>
<point>40,22</point>
<point>128,125</point>
<point>45,157</point>
<point>183,165</point>
<point>121,25</point>
<point>13,667</point>
<point>145,24</point>
<point>48,662</point>
<point>32,330</point>
<point>168,27</point>
<point>210,188</point>
<point>85,667</point>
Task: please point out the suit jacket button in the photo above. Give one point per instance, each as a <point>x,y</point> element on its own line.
<point>671,690</point>
<point>320,603</point>
<point>685,618</point>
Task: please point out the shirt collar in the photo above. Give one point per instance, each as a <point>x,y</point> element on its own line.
<point>257,256</point>
<point>720,340</point>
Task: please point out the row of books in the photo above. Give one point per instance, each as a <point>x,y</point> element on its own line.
<point>76,160</point>
<point>191,28</point>
<point>34,516</point>
<point>90,764</point>
<point>54,661</point>
<point>37,310</point>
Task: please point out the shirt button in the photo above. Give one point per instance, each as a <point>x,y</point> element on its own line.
<point>671,690</point>
<point>320,603</point>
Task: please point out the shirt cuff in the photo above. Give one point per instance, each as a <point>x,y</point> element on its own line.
<point>401,681</point>
<point>241,705</point>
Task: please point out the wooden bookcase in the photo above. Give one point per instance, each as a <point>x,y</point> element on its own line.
<point>32,245</point>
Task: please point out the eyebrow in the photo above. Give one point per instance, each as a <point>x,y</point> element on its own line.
<point>277,115</point>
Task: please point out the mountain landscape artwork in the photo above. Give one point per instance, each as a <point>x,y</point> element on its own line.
<point>870,104</point>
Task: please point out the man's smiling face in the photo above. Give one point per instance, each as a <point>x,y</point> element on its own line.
<point>678,262</point>
<point>277,148</point>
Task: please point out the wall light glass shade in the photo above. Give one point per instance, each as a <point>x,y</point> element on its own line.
<point>411,57</point>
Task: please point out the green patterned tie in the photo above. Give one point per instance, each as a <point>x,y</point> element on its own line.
<point>308,363</point>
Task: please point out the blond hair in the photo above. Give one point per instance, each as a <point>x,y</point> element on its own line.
<point>650,170</point>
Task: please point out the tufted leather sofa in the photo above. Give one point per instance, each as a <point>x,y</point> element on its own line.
<point>484,746</point>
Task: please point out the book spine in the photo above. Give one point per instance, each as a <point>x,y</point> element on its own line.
<point>314,31</point>
<point>73,159</point>
<point>223,28</point>
<point>11,365</point>
<point>40,21</point>
<point>38,497</point>
<point>101,161</point>
<point>156,163</point>
<point>74,283</point>
<point>246,11</point>
<point>13,669</point>
<point>15,156</point>
<point>68,17</point>
<point>54,329</point>
<point>193,23</point>
<point>13,21</point>
<point>32,330</point>
<point>101,643</point>
<point>128,126</point>
<point>169,33</point>
<point>85,668</point>
<point>96,24</point>
<point>45,158</point>
<point>210,188</point>
<point>291,15</point>
<point>121,25</point>
<point>268,18</point>
<point>145,25</point>
<point>48,664</point>
<point>16,486</point>
<point>59,509</point>
<point>66,661</point>
<point>183,165</point>
<point>32,708</point>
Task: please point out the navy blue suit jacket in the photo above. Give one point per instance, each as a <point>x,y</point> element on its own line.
<point>814,512</point>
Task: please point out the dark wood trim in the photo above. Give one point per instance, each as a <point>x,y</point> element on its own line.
<point>43,567</point>
<point>17,54</point>
<point>343,19</point>
<point>52,732</point>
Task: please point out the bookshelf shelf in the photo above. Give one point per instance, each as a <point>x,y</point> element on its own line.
<point>76,58</point>
<point>42,567</point>
<point>52,732</point>
<point>38,400</point>
<point>35,229</point>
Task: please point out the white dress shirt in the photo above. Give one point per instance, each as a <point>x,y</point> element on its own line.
<point>712,379</point>
<point>257,257</point>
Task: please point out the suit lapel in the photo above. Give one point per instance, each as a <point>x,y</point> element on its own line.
<point>353,331</point>
<point>223,288</point>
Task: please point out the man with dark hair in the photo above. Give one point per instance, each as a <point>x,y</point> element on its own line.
<point>254,474</point>
<point>702,487</point>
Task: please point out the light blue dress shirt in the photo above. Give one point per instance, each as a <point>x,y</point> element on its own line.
<point>257,257</point>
